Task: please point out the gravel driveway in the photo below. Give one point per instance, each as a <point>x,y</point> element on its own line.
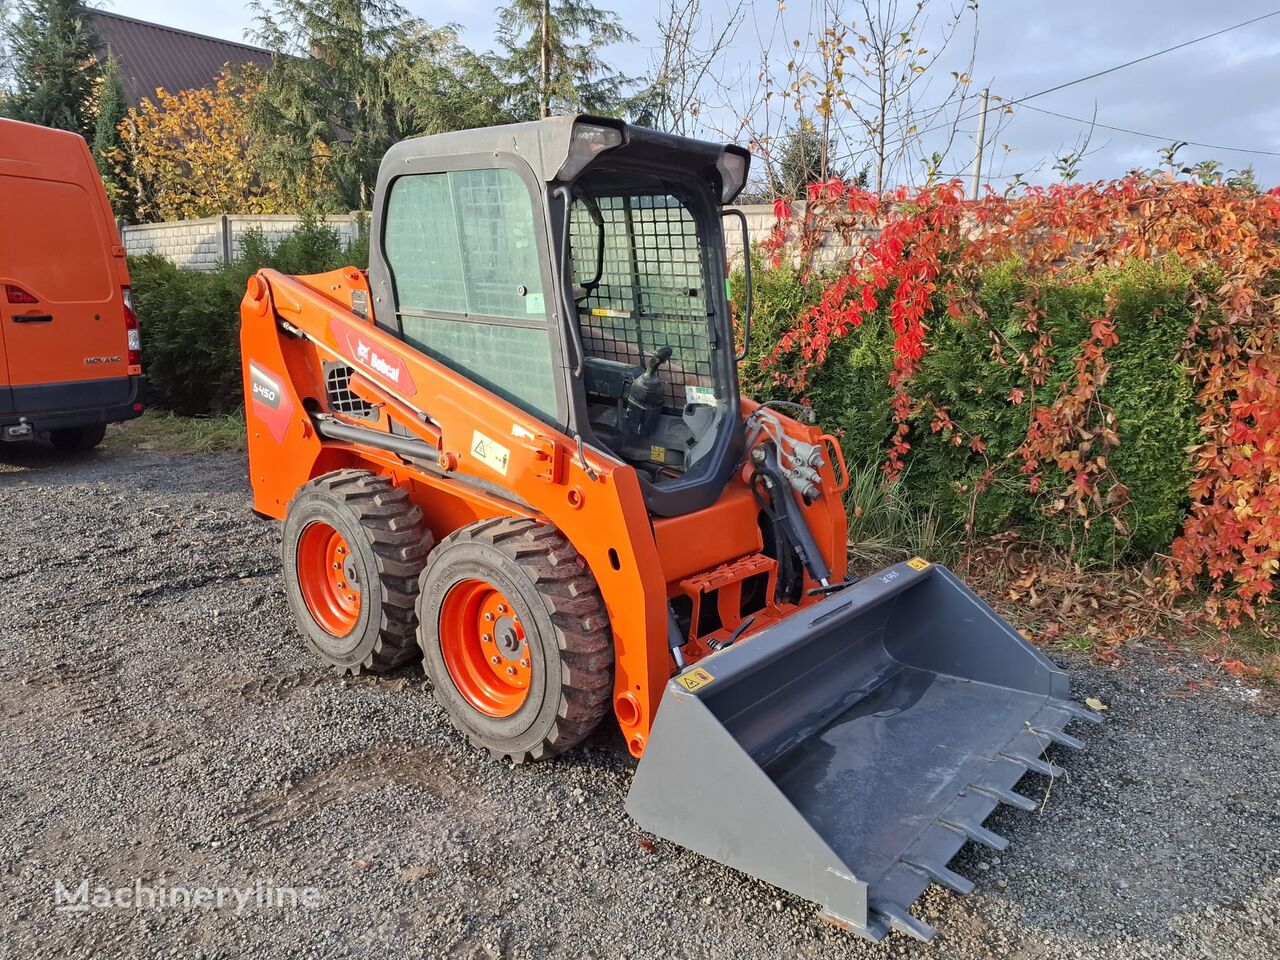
<point>162,723</point>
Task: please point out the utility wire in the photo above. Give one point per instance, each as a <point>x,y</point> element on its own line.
<point>1153,136</point>
<point>1002,103</point>
<point>1149,56</point>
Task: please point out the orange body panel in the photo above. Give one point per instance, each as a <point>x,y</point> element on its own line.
<point>60,245</point>
<point>698,541</point>
<point>292,326</point>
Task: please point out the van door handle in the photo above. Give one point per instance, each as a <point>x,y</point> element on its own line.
<point>33,318</point>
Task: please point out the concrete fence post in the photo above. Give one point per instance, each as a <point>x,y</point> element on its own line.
<point>228,242</point>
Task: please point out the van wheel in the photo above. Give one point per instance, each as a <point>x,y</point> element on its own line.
<point>515,638</point>
<point>353,546</point>
<point>78,439</point>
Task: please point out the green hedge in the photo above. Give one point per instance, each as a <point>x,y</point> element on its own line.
<point>190,319</point>
<point>1149,391</point>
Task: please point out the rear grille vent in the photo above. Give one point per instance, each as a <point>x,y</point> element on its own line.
<point>337,381</point>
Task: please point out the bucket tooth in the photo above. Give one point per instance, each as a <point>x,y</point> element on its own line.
<point>939,874</point>
<point>1036,765</point>
<point>977,833</point>
<point>1077,712</point>
<point>1005,796</point>
<point>900,920</point>
<point>1057,736</point>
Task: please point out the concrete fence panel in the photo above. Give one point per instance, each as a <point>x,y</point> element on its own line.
<point>209,243</point>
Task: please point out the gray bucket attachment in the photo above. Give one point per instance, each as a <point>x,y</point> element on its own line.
<point>848,752</point>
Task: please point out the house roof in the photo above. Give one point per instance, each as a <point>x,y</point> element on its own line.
<point>152,55</point>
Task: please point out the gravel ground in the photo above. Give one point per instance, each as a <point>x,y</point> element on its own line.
<point>161,720</point>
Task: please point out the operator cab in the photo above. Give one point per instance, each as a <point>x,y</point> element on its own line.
<point>575,266</point>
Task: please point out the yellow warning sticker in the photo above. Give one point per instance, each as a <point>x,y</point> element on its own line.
<point>657,454</point>
<point>489,451</point>
<point>695,679</point>
<point>615,314</point>
<point>918,563</point>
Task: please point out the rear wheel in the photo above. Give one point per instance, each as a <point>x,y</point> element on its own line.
<point>353,546</point>
<point>78,439</point>
<point>515,638</point>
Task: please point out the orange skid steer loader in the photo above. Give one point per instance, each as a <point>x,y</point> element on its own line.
<point>515,449</point>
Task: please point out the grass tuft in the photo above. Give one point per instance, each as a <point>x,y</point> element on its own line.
<point>169,433</point>
<point>886,526</point>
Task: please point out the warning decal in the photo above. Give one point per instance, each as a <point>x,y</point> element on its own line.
<point>917,563</point>
<point>490,452</point>
<point>695,679</point>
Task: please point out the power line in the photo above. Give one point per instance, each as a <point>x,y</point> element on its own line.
<point>1142,59</point>
<point>1022,101</point>
<point>1153,136</point>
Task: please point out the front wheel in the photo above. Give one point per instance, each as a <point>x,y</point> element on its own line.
<point>515,638</point>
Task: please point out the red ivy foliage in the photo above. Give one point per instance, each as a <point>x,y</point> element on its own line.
<point>917,250</point>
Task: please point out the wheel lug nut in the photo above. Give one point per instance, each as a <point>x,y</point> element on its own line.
<point>342,586</point>
<point>511,670</point>
<point>488,616</point>
<point>495,659</point>
<point>502,608</point>
<point>487,639</point>
<point>524,663</point>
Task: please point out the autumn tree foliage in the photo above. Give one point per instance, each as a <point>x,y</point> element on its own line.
<point>193,154</point>
<point>919,262</point>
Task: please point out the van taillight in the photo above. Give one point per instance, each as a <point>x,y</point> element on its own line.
<point>132,334</point>
<point>18,295</point>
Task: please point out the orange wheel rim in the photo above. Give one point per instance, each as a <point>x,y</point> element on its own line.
<point>484,648</point>
<point>329,578</point>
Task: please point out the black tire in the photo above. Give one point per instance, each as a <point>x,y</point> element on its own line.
<point>559,607</point>
<point>78,439</point>
<point>388,546</point>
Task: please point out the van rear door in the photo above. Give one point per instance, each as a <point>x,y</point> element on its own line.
<point>62,308</point>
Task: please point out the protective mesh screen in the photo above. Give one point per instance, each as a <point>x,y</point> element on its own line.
<point>652,291</point>
<point>337,381</point>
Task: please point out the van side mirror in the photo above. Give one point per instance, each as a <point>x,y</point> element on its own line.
<point>746,271</point>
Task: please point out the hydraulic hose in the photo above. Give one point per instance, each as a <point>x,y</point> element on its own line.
<point>786,512</point>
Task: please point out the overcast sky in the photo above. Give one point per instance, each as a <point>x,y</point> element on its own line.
<point>1221,91</point>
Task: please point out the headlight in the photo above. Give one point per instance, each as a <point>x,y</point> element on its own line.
<point>733,174</point>
<point>589,140</point>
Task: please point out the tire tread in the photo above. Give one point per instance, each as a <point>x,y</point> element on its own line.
<point>577,613</point>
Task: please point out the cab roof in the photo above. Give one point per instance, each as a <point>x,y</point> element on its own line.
<point>545,145</point>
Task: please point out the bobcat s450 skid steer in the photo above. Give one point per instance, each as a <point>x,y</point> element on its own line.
<point>515,449</point>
